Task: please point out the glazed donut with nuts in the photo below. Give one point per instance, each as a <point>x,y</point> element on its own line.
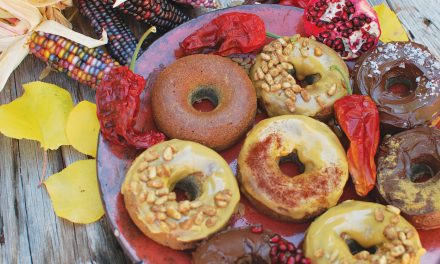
<point>201,172</point>
<point>297,75</point>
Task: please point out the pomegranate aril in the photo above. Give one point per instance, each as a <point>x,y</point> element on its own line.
<point>291,260</point>
<point>282,258</point>
<point>298,258</point>
<point>274,251</point>
<point>283,247</point>
<point>257,229</point>
<point>275,239</point>
<point>290,247</point>
<point>306,261</point>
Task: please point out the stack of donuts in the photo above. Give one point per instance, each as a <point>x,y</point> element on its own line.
<point>292,81</point>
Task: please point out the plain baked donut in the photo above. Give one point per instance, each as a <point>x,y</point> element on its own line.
<point>211,77</point>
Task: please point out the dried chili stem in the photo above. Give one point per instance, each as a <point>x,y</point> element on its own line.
<point>139,45</point>
<point>272,35</point>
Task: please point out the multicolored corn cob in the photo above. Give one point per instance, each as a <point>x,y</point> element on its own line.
<point>121,40</point>
<point>160,13</point>
<point>85,65</point>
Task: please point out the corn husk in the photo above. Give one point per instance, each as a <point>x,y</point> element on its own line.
<point>18,20</point>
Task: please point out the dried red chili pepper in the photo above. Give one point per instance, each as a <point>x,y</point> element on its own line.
<point>359,119</point>
<point>118,100</point>
<point>231,33</point>
<point>297,3</point>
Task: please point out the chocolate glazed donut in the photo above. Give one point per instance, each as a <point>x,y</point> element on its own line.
<point>198,77</point>
<point>403,79</point>
<point>409,175</point>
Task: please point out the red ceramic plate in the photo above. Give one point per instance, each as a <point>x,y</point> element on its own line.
<point>113,161</point>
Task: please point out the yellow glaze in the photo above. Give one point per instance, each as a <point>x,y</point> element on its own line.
<point>365,223</point>
<point>305,62</point>
<point>303,196</point>
<point>187,158</point>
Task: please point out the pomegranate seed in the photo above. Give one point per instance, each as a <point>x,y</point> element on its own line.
<point>283,247</point>
<point>330,26</point>
<point>291,260</point>
<point>274,259</point>
<point>298,258</point>
<point>306,261</point>
<point>368,20</point>
<point>274,251</point>
<point>257,229</point>
<point>282,258</point>
<point>275,239</point>
<point>351,10</point>
<point>349,24</point>
<point>290,247</point>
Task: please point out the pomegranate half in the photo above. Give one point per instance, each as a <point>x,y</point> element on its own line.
<point>350,27</point>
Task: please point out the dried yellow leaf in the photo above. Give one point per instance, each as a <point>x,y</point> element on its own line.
<point>82,128</point>
<point>392,29</point>
<point>40,114</point>
<point>74,192</point>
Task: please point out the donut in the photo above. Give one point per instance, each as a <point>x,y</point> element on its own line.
<point>198,77</point>
<point>362,232</point>
<point>292,198</point>
<point>403,79</point>
<point>299,76</point>
<point>248,245</point>
<point>403,160</point>
<point>150,199</point>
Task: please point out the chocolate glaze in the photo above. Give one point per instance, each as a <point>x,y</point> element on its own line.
<point>403,160</point>
<point>235,246</point>
<point>406,63</point>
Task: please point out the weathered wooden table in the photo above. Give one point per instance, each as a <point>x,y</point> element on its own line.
<point>30,232</point>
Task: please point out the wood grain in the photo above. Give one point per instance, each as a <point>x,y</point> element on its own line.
<point>30,232</point>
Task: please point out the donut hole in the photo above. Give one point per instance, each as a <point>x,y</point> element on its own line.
<point>204,99</point>
<point>423,169</point>
<point>188,188</point>
<point>290,165</point>
<point>400,83</point>
<point>355,247</point>
<point>305,80</point>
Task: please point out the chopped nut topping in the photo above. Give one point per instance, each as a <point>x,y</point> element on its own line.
<point>260,73</point>
<point>171,224</point>
<point>199,218</point>
<point>275,87</point>
<point>274,72</point>
<point>291,94</point>
<point>221,204</point>
<point>304,52</point>
<point>187,224</point>
<point>162,192</point>
<point>172,196</point>
<point>155,183</point>
<point>282,41</point>
<point>161,216</point>
<point>265,57</point>
<point>142,166</point>
<point>164,226</point>
<point>318,52</point>
<point>151,197</point>
<point>269,79</point>
<point>150,156</point>
<point>152,172</point>
<point>379,214</point>
<point>395,219</point>
<point>305,95</point>
<point>184,206</point>
<point>393,209</point>
<point>390,232</point>
<point>332,90</point>
<point>167,153</point>
<point>173,213</point>
<point>150,217</point>
<point>296,88</point>
<point>290,104</point>
<point>397,251</point>
<point>158,208</point>
<point>211,221</point>
<point>196,204</point>
<point>319,253</point>
<point>142,197</point>
<point>265,87</point>
<point>209,210</point>
<point>161,200</point>
<point>286,85</point>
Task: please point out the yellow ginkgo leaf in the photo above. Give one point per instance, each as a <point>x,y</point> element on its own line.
<point>74,192</point>
<point>40,114</point>
<point>82,128</point>
<point>392,29</point>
